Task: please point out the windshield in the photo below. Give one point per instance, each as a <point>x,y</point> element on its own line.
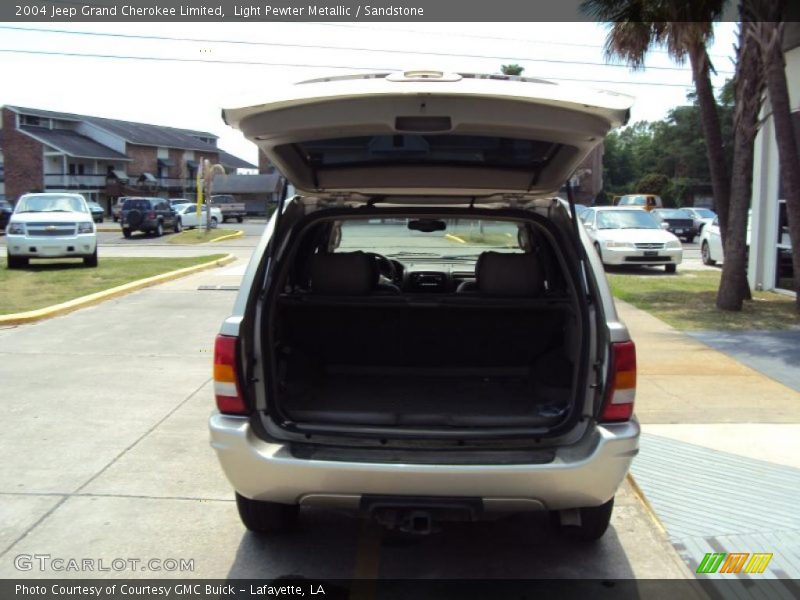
<point>705,213</point>
<point>625,219</point>
<point>462,238</point>
<point>50,203</point>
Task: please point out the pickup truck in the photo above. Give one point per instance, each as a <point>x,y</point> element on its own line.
<point>229,207</point>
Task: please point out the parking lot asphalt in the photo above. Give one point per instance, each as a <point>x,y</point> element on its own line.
<point>106,456</point>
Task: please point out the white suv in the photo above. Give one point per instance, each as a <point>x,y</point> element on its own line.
<point>425,332</point>
<point>51,225</point>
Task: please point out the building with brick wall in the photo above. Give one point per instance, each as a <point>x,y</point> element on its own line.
<point>102,159</point>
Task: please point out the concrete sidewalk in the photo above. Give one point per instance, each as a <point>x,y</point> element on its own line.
<point>720,452</point>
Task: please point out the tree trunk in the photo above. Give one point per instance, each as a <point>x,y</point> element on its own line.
<point>775,74</point>
<point>733,286</point>
<point>712,132</point>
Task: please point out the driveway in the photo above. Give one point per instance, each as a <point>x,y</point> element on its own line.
<point>106,456</point>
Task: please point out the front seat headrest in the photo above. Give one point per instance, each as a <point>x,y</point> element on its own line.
<point>345,274</point>
<point>509,274</point>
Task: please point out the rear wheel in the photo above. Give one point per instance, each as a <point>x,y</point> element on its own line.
<point>670,268</point>
<point>159,229</point>
<point>126,233</point>
<point>705,253</point>
<point>594,522</point>
<point>17,262</point>
<point>90,261</point>
<point>178,226</point>
<point>266,517</point>
<point>239,219</point>
<point>214,222</point>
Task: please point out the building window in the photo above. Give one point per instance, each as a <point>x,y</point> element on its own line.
<point>72,168</point>
<point>30,120</point>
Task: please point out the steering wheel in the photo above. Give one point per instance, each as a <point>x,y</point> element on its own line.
<point>385,266</point>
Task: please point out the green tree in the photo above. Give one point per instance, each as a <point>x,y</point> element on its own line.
<point>513,69</point>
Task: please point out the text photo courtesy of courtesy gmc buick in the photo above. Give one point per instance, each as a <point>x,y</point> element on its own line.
<point>425,331</point>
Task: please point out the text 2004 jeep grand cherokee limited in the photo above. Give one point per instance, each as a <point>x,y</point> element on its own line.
<point>425,332</point>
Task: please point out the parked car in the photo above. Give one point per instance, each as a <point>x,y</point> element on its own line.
<point>5,213</point>
<point>701,216</point>
<point>231,209</point>
<point>52,225</point>
<point>150,215</point>
<point>678,221</point>
<point>645,201</point>
<point>631,236</point>
<point>116,207</point>
<point>187,214</point>
<point>97,211</point>
<point>360,372</point>
<point>711,243</point>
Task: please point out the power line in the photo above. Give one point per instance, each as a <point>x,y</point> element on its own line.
<point>298,65</point>
<point>487,37</point>
<point>326,47</point>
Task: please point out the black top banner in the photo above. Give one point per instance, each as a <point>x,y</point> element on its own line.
<point>296,10</point>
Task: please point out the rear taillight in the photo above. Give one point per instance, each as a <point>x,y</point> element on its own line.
<point>226,383</point>
<point>151,215</point>
<point>621,390</point>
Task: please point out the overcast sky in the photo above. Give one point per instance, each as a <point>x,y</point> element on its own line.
<point>191,94</point>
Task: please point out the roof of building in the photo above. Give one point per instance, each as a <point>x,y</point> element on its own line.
<point>72,143</point>
<point>233,162</point>
<point>135,133</point>
<point>247,184</point>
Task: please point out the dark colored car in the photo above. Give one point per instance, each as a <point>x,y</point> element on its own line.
<point>150,215</point>
<point>98,214</point>
<point>5,213</point>
<point>679,222</point>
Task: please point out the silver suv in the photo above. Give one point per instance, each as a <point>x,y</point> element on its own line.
<point>424,332</point>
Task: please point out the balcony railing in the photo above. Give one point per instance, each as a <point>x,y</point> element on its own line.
<point>64,180</point>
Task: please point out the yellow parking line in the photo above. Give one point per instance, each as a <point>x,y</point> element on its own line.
<point>455,238</point>
<point>368,561</point>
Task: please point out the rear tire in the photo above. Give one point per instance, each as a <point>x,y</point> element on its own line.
<point>178,226</point>
<point>239,219</point>
<point>214,222</point>
<point>266,517</point>
<point>671,268</point>
<point>17,262</point>
<point>90,261</point>
<point>594,523</point>
<point>705,253</point>
<point>127,233</point>
<point>159,229</point>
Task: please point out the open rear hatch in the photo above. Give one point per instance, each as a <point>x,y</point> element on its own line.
<point>508,358</point>
<point>430,132</point>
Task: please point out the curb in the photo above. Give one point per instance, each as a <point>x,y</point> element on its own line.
<point>98,297</point>
<point>236,234</point>
<point>646,503</point>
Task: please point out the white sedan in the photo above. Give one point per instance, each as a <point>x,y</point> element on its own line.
<point>631,236</point>
<point>188,215</point>
<point>711,243</point>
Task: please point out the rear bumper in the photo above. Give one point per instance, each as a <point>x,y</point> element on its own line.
<point>51,247</point>
<point>585,474</point>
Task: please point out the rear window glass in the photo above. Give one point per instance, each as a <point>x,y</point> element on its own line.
<point>461,238</point>
<point>136,204</point>
<point>423,149</point>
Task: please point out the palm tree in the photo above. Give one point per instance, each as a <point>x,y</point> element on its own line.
<point>207,173</point>
<point>514,69</point>
<point>685,29</point>
<point>748,87</point>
